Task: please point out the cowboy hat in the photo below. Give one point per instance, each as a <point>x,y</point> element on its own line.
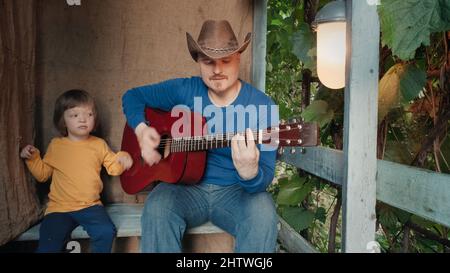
<point>216,40</point>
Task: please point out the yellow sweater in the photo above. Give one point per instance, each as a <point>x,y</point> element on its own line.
<point>75,169</point>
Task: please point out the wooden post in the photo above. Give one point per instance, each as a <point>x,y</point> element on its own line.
<point>360,125</point>
<point>259,44</point>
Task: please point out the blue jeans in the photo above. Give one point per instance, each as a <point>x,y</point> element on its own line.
<point>170,209</point>
<point>56,228</point>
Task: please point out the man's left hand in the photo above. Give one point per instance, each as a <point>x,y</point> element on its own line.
<point>245,155</point>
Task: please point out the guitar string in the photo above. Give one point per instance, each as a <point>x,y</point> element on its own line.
<point>217,136</point>
<point>182,145</point>
<point>186,148</point>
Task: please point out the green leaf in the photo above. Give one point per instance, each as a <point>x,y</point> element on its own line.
<point>397,152</point>
<point>295,191</point>
<point>321,214</point>
<point>422,222</point>
<point>412,82</point>
<point>318,112</point>
<point>312,53</point>
<point>407,24</point>
<point>444,155</point>
<point>403,216</point>
<point>269,67</point>
<point>298,218</point>
<point>302,43</point>
<point>387,217</point>
<point>334,99</point>
<point>285,112</point>
<point>389,90</point>
<point>276,22</point>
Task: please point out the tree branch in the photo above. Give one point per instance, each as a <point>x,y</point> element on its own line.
<point>405,241</point>
<point>333,224</point>
<point>428,234</point>
<point>437,132</point>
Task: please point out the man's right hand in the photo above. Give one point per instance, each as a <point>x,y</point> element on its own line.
<point>148,139</point>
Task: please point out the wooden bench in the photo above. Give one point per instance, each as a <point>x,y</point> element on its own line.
<point>204,238</point>
<point>127,219</point>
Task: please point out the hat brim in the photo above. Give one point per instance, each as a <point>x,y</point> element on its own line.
<point>195,49</point>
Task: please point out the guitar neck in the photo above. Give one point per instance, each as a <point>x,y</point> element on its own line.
<point>202,143</point>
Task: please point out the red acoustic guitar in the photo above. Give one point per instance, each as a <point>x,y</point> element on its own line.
<point>184,155</point>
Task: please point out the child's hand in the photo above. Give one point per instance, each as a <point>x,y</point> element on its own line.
<point>126,161</point>
<point>27,151</point>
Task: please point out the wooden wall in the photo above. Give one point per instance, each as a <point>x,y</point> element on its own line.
<point>110,46</point>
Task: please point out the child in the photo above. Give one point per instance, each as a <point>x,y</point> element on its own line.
<point>74,162</point>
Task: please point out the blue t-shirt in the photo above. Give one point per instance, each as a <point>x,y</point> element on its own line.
<point>192,93</point>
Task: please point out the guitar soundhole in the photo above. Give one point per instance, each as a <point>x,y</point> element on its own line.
<point>164,146</point>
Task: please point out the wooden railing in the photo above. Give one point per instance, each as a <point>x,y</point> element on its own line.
<point>418,191</point>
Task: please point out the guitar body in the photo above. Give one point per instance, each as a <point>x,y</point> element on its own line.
<point>179,167</point>
<point>184,144</point>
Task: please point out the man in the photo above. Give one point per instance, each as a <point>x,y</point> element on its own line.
<point>232,192</point>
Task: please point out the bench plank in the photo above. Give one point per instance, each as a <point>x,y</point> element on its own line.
<point>126,218</point>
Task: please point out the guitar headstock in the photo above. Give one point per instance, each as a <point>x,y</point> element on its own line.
<point>297,133</point>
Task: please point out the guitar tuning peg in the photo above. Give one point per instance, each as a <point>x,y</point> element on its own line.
<point>302,150</point>
<point>282,122</point>
<point>292,150</point>
<point>294,120</point>
<point>280,151</point>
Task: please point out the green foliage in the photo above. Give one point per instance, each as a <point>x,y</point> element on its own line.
<point>287,34</point>
<point>401,83</point>
<point>412,82</point>
<point>412,45</point>
<point>444,155</point>
<point>387,217</point>
<point>321,214</point>
<point>318,111</point>
<point>293,190</point>
<point>304,46</point>
<point>297,218</point>
<point>407,24</point>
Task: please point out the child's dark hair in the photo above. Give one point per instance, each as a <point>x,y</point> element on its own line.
<point>68,100</point>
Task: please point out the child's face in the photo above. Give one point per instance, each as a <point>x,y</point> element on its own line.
<point>79,121</point>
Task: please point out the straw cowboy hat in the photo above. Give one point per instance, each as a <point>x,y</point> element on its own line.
<point>216,40</point>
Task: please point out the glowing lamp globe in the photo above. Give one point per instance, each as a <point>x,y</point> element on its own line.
<point>331,44</point>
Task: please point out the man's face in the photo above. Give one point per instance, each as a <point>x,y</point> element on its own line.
<point>220,75</point>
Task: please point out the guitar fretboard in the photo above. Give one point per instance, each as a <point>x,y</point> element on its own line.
<point>201,143</point>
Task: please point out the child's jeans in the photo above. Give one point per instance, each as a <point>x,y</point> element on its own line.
<point>57,226</point>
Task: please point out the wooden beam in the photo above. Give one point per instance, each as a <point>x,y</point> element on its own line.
<point>292,240</point>
<point>360,127</point>
<point>259,44</point>
<point>321,161</point>
<point>418,191</point>
<point>421,192</point>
